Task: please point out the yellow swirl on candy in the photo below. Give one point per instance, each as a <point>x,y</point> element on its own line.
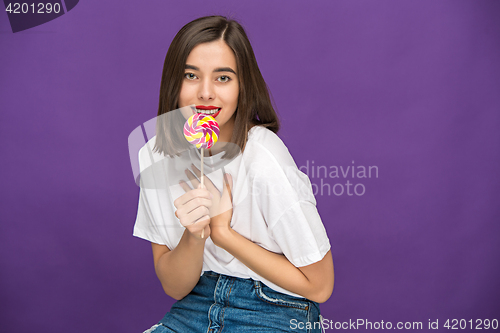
<point>201,130</point>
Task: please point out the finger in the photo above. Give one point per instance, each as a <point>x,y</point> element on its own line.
<point>193,216</point>
<point>196,170</point>
<point>192,178</point>
<point>185,186</point>
<point>207,181</point>
<point>188,196</point>
<point>201,224</point>
<point>191,205</point>
<point>203,221</point>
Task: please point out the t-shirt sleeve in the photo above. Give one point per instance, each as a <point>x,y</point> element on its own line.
<point>151,223</point>
<point>301,235</point>
<point>289,208</point>
<point>144,226</point>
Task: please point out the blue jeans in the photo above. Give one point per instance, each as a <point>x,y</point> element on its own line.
<point>221,303</point>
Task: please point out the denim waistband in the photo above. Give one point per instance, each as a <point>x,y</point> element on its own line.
<point>215,274</point>
<point>223,303</point>
<point>257,284</point>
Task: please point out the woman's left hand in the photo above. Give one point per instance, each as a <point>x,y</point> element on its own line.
<point>221,210</point>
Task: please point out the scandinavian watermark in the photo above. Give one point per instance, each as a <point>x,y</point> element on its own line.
<point>325,180</point>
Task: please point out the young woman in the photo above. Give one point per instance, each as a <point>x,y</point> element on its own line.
<point>247,252</point>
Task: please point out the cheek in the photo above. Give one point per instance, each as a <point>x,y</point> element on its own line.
<point>186,111</point>
<point>185,95</point>
<point>235,95</point>
<point>182,97</point>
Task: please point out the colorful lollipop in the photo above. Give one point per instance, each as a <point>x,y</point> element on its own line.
<point>202,131</point>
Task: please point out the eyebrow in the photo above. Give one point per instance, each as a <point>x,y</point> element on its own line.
<point>217,70</point>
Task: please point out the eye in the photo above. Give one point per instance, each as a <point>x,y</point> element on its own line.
<point>190,76</point>
<point>223,78</point>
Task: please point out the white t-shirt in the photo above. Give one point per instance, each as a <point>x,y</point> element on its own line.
<point>273,203</point>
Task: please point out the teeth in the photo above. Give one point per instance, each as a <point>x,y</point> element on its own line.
<point>213,111</point>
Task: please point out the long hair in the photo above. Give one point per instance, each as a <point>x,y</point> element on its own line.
<point>254,105</point>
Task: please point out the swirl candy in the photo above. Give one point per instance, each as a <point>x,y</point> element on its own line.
<point>201,130</point>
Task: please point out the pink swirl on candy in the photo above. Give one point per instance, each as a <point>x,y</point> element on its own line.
<point>201,130</point>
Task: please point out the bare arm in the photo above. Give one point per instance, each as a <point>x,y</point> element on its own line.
<point>179,269</point>
<point>314,282</point>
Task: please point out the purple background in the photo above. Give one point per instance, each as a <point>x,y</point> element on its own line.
<point>411,87</point>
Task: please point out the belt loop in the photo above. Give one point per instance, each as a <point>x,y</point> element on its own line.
<point>321,323</point>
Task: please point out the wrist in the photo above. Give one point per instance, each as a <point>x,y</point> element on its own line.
<point>195,240</point>
<point>222,236</point>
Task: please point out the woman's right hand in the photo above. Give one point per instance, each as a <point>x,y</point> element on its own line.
<point>193,210</point>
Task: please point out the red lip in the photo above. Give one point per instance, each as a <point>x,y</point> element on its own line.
<point>216,114</point>
<point>203,107</point>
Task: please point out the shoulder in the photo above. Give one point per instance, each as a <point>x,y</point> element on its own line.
<point>270,164</point>
<point>267,156</point>
<point>265,144</point>
<point>148,146</point>
<point>147,154</point>
<point>261,134</point>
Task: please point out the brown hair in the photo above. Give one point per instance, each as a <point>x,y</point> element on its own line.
<point>254,105</point>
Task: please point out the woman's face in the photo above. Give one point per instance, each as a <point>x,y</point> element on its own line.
<point>211,84</point>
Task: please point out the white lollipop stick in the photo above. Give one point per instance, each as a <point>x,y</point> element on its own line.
<point>203,231</point>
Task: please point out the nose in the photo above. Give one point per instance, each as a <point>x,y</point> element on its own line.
<point>206,91</point>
